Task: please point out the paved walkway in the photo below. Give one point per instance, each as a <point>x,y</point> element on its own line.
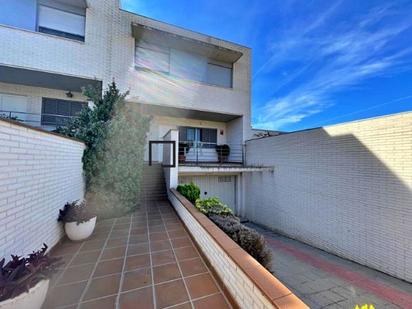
<point>324,280</point>
<point>145,260</point>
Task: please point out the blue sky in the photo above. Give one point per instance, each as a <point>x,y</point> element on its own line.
<point>315,63</point>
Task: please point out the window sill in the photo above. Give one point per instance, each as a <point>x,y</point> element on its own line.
<point>43,34</point>
<point>180,78</point>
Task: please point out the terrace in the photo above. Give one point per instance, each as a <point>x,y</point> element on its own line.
<point>147,259</point>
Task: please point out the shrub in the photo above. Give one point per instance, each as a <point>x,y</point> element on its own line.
<point>189,191</point>
<point>211,206</point>
<point>20,273</point>
<point>76,212</point>
<point>248,239</point>
<point>115,134</point>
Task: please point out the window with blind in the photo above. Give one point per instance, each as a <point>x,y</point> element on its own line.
<point>182,64</point>
<point>61,23</point>
<point>57,112</point>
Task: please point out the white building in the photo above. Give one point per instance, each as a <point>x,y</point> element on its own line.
<point>193,84</point>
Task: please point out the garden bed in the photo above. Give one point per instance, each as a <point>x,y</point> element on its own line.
<point>248,282</point>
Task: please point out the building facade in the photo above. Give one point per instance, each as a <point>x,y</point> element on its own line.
<point>197,85</point>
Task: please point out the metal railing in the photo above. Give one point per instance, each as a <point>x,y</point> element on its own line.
<point>36,119</point>
<point>201,153</point>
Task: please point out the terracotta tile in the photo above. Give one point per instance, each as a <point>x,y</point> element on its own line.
<point>138,249</point>
<point>64,260</point>
<point>100,287</point>
<point>160,245</point>
<point>171,293</point>
<point>103,303</point>
<point>76,273</point>
<point>186,253</point>
<point>138,239</point>
<point>158,236</point>
<point>138,231</point>
<point>166,273</point>
<point>137,261</point>
<point>163,257</point>
<point>65,249</point>
<point>157,229</point>
<point>113,253</point>
<point>85,258</point>
<point>137,279</point>
<point>186,306</point>
<point>181,242</point>
<point>192,267</point>
<point>121,226</point>
<point>178,234</point>
<point>214,301</point>
<point>142,299</point>
<point>108,267</point>
<point>64,295</point>
<point>119,234</point>
<point>201,285</point>
<point>92,245</point>
<point>116,242</point>
<point>173,226</point>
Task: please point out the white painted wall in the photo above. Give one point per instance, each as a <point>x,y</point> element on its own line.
<point>39,173</point>
<point>345,188</point>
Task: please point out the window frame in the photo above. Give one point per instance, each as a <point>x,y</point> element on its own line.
<point>59,33</point>
<point>56,115</point>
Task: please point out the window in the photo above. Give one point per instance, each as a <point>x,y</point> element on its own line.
<point>183,64</point>
<point>61,23</point>
<point>205,137</point>
<point>57,112</point>
<point>219,75</point>
<point>152,57</point>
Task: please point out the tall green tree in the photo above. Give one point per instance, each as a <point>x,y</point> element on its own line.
<point>115,134</point>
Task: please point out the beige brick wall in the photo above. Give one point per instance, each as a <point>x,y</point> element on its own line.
<point>345,188</point>
<point>39,173</point>
<point>242,289</point>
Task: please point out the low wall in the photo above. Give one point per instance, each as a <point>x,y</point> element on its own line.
<point>39,173</point>
<point>249,283</point>
<point>345,188</point>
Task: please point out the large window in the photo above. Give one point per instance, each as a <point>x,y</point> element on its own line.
<point>62,23</point>
<point>57,112</point>
<point>183,64</point>
<point>199,137</point>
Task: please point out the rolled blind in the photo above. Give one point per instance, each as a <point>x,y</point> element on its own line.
<point>54,19</point>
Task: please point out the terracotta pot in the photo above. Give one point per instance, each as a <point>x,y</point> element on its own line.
<point>32,299</point>
<point>80,231</point>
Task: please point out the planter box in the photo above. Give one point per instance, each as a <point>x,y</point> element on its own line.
<point>249,283</point>
<point>33,299</point>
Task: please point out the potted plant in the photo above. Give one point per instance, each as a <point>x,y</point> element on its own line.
<point>24,281</point>
<point>79,220</point>
<point>183,150</point>
<point>223,152</point>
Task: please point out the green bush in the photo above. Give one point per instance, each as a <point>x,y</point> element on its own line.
<point>211,206</point>
<point>115,134</point>
<point>248,239</point>
<point>189,191</point>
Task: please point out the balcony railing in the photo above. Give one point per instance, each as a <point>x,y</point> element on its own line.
<point>36,119</point>
<point>202,153</point>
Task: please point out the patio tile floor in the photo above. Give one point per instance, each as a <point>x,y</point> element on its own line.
<point>145,260</point>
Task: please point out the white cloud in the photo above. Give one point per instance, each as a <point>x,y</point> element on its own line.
<point>331,58</point>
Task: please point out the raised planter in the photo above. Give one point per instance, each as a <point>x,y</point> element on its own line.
<point>249,284</point>
<point>32,299</point>
<point>80,231</point>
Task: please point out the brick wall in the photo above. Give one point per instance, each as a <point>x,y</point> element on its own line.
<point>39,173</point>
<point>345,188</point>
<point>250,285</point>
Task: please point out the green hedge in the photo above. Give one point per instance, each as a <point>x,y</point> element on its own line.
<point>212,205</point>
<point>189,191</point>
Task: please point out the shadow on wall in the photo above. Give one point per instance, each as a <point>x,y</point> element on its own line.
<point>345,189</point>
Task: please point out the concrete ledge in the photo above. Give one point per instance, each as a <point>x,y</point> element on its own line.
<point>248,283</point>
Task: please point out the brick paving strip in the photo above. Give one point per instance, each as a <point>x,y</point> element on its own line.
<point>145,260</point>
<point>389,291</point>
